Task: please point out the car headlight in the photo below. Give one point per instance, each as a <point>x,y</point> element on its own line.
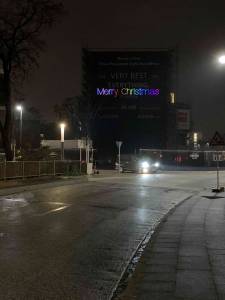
<point>157,164</point>
<point>145,165</point>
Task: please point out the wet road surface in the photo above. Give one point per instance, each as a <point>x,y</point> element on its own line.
<point>75,241</point>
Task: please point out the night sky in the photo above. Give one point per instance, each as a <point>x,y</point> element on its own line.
<point>196,27</point>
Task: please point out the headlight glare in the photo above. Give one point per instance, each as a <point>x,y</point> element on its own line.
<point>145,165</point>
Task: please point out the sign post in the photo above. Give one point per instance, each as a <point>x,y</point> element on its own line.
<point>217,141</point>
<point>217,176</point>
<point>217,157</point>
<point>119,144</point>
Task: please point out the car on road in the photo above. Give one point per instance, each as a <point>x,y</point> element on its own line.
<point>137,164</point>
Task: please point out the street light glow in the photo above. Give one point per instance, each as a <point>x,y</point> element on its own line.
<point>62,125</point>
<point>221,59</point>
<point>19,107</point>
<point>195,137</point>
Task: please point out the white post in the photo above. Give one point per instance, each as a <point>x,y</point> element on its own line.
<point>217,175</point>
<point>62,150</point>
<point>80,158</point>
<point>87,150</point>
<point>62,126</point>
<point>217,170</point>
<point>20,109</point>
<point>119,159</point>
<point>21,126</point>
<point>119,144</point>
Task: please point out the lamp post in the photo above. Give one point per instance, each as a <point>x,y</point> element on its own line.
<point>62,126</point>
<point>195,139</point>
<point>217,155</point>
<point>20,109</point>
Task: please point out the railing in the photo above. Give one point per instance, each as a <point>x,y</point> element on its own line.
<point>23,169</point>
<point>180,158</point>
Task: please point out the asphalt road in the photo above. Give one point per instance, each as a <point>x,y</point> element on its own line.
<point>75,241</point>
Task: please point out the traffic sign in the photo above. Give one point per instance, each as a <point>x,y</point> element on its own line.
<point>194,155</point>
<point>218,156</point>
<point>217,140</point>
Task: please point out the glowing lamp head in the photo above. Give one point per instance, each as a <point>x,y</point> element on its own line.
<point>62,125</point>
<point>19,107</point>
<point>157,164</point>
<point>221,59</point>
<point>195,137</point>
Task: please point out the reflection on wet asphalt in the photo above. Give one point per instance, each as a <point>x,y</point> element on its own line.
<point>74,241</point>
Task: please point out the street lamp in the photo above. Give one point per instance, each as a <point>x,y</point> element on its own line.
<point>221,59</point>
<point>195,140</point>
<point>20,109</point>
<point>62,126</point>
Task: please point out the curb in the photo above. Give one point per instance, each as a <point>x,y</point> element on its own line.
<point>128,271</point>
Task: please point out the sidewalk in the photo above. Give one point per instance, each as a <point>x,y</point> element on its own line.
<point>186,257</point>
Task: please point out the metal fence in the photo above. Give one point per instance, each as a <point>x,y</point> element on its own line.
<point>186,158</point>
<point>23,169</point>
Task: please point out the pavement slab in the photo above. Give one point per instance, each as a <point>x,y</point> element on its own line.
<point>186,257</point>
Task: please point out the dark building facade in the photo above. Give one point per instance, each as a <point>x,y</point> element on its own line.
<point>132,92</point>
<point>183,124</point>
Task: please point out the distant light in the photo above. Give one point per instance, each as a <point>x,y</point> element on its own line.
<point>145,165</point>
<point>195,137</point>
<point>172,98</point>
<point>19,107</point>
<point>62,128</point>
<point>157,164</point>
<point>62,125</point>
<point>221,59</point>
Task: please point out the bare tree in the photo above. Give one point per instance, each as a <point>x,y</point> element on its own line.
<point>21,25</point>
<point>80,112</point>
<point>69,111</point>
